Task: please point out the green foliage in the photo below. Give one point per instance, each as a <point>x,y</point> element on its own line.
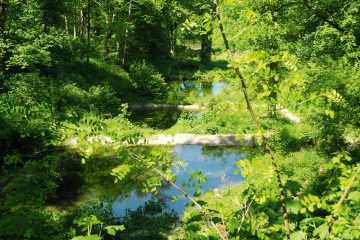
<point>25,43</point>
<point>147,81</point>
<point>256,198</point>
<point>103,100</point>
<point>28,187</point>
<point>288,137</point>
<point>92,221</point>
<point>303,55</point>
<point>120,172</point>
<point>87,224</point>
<point>151,221</point>
<point>35,108</point>
<point>99,72</point>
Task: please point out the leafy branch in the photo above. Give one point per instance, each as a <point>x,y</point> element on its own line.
<point>205,212</point>
<point>255,120</point>
<point>340,202</point>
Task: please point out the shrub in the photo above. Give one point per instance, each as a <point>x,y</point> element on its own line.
<point>287,138</point>
<point>147,81</point>
<point>103,100</point>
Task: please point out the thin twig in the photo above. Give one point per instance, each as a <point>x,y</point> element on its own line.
<point>245,213</point>
<point>349,229</point>
<point>223,223</point>
<point>340,202</point>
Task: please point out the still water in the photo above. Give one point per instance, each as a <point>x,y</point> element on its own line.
<point>197,88</point>
<point>179,91</point>
<point>159,118</point>
<point>217,163</point>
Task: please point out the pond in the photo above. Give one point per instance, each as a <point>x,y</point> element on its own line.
<point>217,163</point>
<point>197,88</point>
<point>179,91</point>
<point>159,118</point>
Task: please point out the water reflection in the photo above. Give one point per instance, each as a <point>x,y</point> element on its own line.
<point>179,91</point>
<point>197,88</point>
<point>217,163</point>
<point>160,119</point>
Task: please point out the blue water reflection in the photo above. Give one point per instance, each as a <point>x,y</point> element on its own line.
<point>218,163</point>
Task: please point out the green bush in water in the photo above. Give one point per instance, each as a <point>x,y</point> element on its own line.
<point>147,81</point>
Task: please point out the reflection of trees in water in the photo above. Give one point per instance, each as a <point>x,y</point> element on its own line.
<point>70,169</point>
<point>163,192</point>
<point>161,119</point>
<point>206,88</point>
<point>93,178</point>
<point>153,220</point>
<point>97,182</point>
<point>188,86</point>
<point>222,153</point>
<point>180,90</point>
<point>197,88</point>
<point>216,153</point>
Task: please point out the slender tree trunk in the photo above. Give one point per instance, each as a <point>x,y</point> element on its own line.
<point>123,62</point>
<point>107,39</point>
<point>2,15</point>
<point>74,29</point>
<point>88,31</point>
<point>2,23</point>
<point>118,49</point>
<point>172,34</point>
<point>75,21</point>
<point>108,34</point>
<point>206,43</point>
<point>82,23</point>
<point>66,24</point>
<point>257,124</point>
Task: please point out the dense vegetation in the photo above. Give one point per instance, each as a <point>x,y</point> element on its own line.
<point>70,69</point>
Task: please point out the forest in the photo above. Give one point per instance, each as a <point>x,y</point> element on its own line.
<point>179,119</point>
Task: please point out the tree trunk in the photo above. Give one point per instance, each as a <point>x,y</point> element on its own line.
<point>107,38</point>
<point>206,42</point>
<point>74,31</point>
<point>82,23</point>
<point>2,23</point>
<point>257,123</point>
<point>206,48</point>
<point>123,62</point>
<point>172,34</point>
<point>108,33</point>
<point>66,24</point>
<point>2,15</point>
<point>88,31</point>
